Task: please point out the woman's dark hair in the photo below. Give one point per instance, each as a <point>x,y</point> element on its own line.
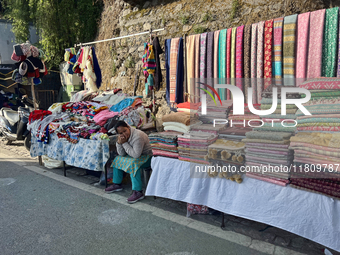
<point>120,123</point>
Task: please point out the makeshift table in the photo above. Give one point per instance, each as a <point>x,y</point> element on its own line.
<point>312,216</point>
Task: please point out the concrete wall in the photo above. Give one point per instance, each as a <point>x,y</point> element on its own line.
<point>7,40</point>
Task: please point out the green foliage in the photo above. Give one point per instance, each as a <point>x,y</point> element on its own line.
<point>207,17</point>
<point>129,63</point>
<point>60,23</point>
<point>114,68</point>
<point>184,19</point>
<point>199,30</point>
<point>234,9</point>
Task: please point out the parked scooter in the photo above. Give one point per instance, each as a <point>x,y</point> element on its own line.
<point>13,125</point>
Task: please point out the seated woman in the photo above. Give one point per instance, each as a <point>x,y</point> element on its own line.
<point>134,149</point>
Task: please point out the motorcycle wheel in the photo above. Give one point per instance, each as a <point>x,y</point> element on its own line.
<point>27,142</point>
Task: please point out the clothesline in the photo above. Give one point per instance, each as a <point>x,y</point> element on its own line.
<point>120,37</point>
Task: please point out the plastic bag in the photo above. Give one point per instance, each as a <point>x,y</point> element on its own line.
<point>51,163</point>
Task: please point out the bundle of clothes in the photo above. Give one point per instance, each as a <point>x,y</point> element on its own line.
<point>215,110</point>
<point>30,64</point>
<point>164,144</point>
<point>180,121</point>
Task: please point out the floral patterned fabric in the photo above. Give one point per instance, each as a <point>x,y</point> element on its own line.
<point>259,68</point>
<point>239,57</point>
<point>268,41</point>
<point>277,65</point>
<point>302,43</point>
<point>203,59</point>
<point>330,36</point>
<point>88,154</point>
<point>253,61</point>
<point>246,59</point>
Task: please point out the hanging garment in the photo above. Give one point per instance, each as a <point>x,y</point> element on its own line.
<point>239,57</point>
<point>149,66</point>
<point>190,50</point>
<point>197,67</point>
<point>216,41</point>
<point>277,65</point>
<point>302,43</point>
<point>246,59</point>
<point>167,67</point>
<point>289,37</point>
<point>222,61</point>
<point>233,54</point>
<point>210,59</point>
<point>180,73</point>
<point>268,42</point>
<point>89,77</point>
<point>253,61</point>
<point>259,63</point>
<point>173,68</point>
<point>228,59</point>
<point>330,36</point>
<point>203,58</point>
<point>96,68</point>
<point>317,21</point>
<point>158,72</point>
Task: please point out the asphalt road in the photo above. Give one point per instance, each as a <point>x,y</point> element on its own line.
<point>41,215</point>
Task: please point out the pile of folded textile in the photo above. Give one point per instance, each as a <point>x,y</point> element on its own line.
<point>193,147</point>
<point>234,133</point>
<point>317,157</point>
<point>229,155</point>
<point>242,120</point>
<point>209,128</point>
<point>164,144</point>
<point>268,155</point>
<point>215,111</point>
<point>188,107</point>
<point>180,121</point>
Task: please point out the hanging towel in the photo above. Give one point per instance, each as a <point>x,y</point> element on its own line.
<point>317,20</point>
<point>222,46</point>
<point>158,73</point>
<point>259,68</point>
<point>197,67</point>
<point>167,68</point>
<point>210,58</point>
<point>203,56</point>
<point>228,59</point>
<point>289,37</point>
<point>216,40</point>
<point>277,65</point>
<point>330,36</point>
<point>180,73</point>
<point>268,42</point>
<point>173,68</point>
<point>253,61</point>
<point>246,59</point>
<point>190,50</point>
<point>302,43</point>
<point>239,57</point>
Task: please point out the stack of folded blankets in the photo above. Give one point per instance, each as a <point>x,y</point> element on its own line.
<point>234,133</point>
<point>317,158</point>
<point>193,147</point>
<point>229,155</point>
<point>164,144</point>
<point>188,107</point>
<point>267,153</point>
<point>215,111</point>
<point>242,120</point>
<point>209,128</point>
<point>180,121</point>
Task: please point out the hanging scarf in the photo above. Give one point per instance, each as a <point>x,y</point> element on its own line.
<point>167,67</point>
<point>180,73</point>
<point>239,57</point>
<point>197,67</point>
<point>228,59</point>
<point>330,36</point>
<point>173,68</point>
<point>203,56</point>
<point>317,21</point>
<point>253,61</point>
<point>277,65</point>
<point>246,59</point>
<point>222,61</point>
<point>259,68</point>
<point>302,43</point>
<point>190,50</point>
<point>268,35</point>
<point>210,58</point>
<point>289,29</point>
<point>216,40</point>
<point>149,61</point>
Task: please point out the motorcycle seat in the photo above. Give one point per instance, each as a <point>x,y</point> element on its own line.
<point>10,115</point>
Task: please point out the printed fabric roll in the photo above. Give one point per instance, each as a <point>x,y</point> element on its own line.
<point>222,61</point>
<point>173,68</point>
<point>216,40</point>
<point>268,41</point>
<point>190,50</point>
<point>302,42</point>
<point>246,59</point>
<point>317,21</point>
<point>203,56</point>
<point>253,61</point>
<point>167,67</point>
<point>329,50</point>
<point>289,37</point>
<point>228,58</point>
<point>259,65</point>
<point>277,65</point>
<point>239,57</point>
<point>197,67</point>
